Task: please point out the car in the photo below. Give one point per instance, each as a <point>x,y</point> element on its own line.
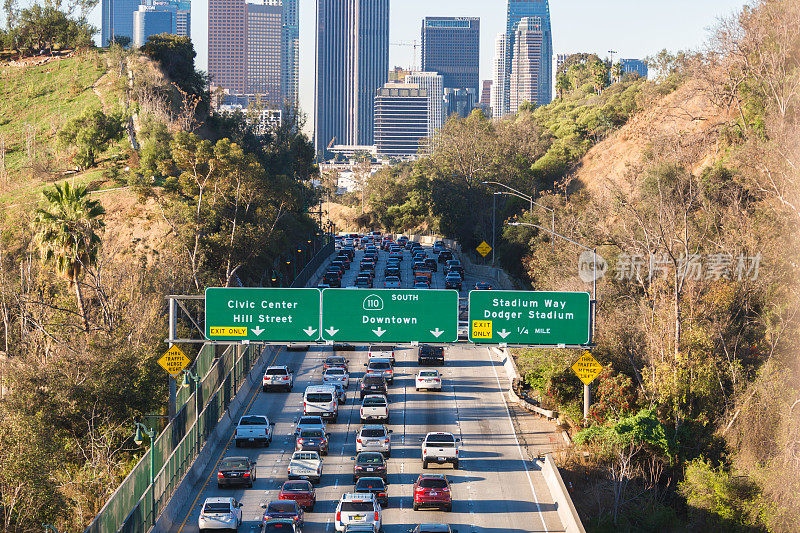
<point>371,464</point>
<point>393,273</point>
<point>421,285</point>
<point>391,282</point>
<point>373,384</point>
<point>429,380</point>
<point>433,528</point>
<point>440,447</point>
<point>286,509</point>
<point>396,253</point>
<point>310,422</point>
<point>381,352</point>
<point>432,265</point>
<point>374,407</point>
<point>332,280</point>
<point>339,375</point>
<point>418,265</point>
<point>374,438</point>
<point>438,246</point>
<point>296,347</point>
<point>381,366</point>
<point>454,265</point>
<point>363,283</point>
<point>482,286</point>
<point>341,393</point>
<point>357,509</point>
<point>432,490</point>
<point>253,429</point>
<point>444,256</point>
<point>280,525</point>
<point>300,491</point>
<point>463,330</point>
<point>430,354</point>
<point>375,486</point>
<point>220,513</point>
<point>305,465</point>
<point>336,268</point>
<point>236,471</point>
<point>337,263</point>
<point>452,281</point>
<point>277,377</point>
<point>334,361</point>
<point>312,440</point>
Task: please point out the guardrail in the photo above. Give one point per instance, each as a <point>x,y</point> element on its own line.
<point>564,506</point>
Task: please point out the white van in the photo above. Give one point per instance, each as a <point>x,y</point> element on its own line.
<point>321,400</point>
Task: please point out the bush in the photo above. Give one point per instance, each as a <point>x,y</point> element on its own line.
<point>91,134</point>
<point>615,397</point>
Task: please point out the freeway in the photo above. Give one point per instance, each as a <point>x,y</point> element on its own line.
<point>494,490</point>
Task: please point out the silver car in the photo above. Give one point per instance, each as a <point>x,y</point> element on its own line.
<point>358,509</point>
<point>374,438</point>
<point>333,376</point>
<point>310,422</point>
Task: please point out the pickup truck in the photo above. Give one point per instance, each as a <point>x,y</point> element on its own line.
<point>440,447</point>
<point>374,407</point>
<point>305,465</point>
<point>253,429</point>
<point>381,352</point>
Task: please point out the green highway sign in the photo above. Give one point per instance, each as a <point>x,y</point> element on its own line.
<point>389,315</point>
<point>531,318</point>
<point>269,315</point>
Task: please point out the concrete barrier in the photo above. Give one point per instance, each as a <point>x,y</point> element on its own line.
<point>564,506</point>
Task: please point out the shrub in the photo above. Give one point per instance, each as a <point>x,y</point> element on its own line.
<point>91,134</point>
<point>615,397</point>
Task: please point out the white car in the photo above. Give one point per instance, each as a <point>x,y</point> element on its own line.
<point>277,377</point>
<point>429,379</point>
<point>334,376</point>
<point>358,509</point>
<point>220,513</point>
<point>374,438</point>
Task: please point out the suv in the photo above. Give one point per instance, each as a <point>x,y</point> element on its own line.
<point>430,354</point>
<point>220,513</point>
<point>381,367</point>
<point>440,447</point>
<point>373,384</point>
<point>369,464</point>
<point>374,438</point>
<point>357,509</point>
<point>452,281</point>
<point>432,490</point>
<point>277,377</point>
<point>445,256</point>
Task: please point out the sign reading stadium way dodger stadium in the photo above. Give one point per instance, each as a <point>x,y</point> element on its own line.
<point>269,315</point>
<point>389,315</point>
<point>530,318</point>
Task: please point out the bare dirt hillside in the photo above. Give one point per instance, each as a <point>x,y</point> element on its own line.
<point>685,115</point>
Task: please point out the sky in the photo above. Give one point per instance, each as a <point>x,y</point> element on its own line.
<point>633,28</point>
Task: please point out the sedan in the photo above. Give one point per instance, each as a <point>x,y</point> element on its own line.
<point>432,490</point>
<point>335,361</point>
<point>313,440</point>
<point>483,286</point>
<point>369,464</point>
<point>429,380</point>
<point>334,376</point>
<point>235,471</point>
<point>301,492</point>
<point>376,486</point>
<point>286,509</point>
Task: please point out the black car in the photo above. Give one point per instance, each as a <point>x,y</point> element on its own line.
<point>363,283</point>
<point>371,384</point>
<point>376,486</point>
<point>392,272</point>
<point>334,362</point>
<point>283,509</point>
<point>369,464</point>
<point>430,354</point>
<point>337,263</point>
<point>236,471</point>
<point>431,263</point>
<point>445,256</point>
<point>454,265</point>
<point>312,440</point>
<point>332,280</point>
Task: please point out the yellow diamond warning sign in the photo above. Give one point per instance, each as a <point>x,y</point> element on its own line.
<point>482,329</point>
<point>484,248</point>
<point>174,361</point>
<point>587,368</point>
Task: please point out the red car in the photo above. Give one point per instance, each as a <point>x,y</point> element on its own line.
<point>300,491</point>
<point>432,490</point>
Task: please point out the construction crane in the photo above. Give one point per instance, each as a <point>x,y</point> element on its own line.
<point>414,45</point>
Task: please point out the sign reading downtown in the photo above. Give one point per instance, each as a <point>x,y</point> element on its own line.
<point>268,315</point>
<point>390,315</point>
<point>530,318</point>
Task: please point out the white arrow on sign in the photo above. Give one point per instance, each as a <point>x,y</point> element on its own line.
<point>504,333</point>
<point>310,331</point>
<point>437,332</point>
<point>258,330</point>
<point>379,332</point>
<point>330,331</point>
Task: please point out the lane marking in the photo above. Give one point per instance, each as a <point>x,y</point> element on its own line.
<point>519,448</point>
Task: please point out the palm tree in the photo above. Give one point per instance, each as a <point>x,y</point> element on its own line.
<point>563,85</point>
<point>66,234</point>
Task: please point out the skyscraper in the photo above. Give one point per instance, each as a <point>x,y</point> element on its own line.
<point>451,47</point>
<point>499,86</point>
<point>263,58</point>
<point>517,10</point>
<point>634,65</point>
<point>401,119</point>
<point>433,83</point>
<point>227,42</point>
<point>527,62</point>
<point>161,16</point>
<point>486,93</point>
<point>290,52</point>
<point>352,64</point>
<point>117,19</point>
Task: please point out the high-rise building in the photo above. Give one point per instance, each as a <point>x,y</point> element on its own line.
<point>398,74</point>
<point>290,51</point>
<point>451,47</point>
<point>527,63</point>
<point>433,83</point>
<point>227,43</point>
<point>117,19</point>
<point>161,16</point>
<point>459,102</point>
<point>352,64</point>
<point>560,60</point>
<point>517,10</point>
<point>264,43</point>
<point>634,65</point>
<point>401,119</point>
<point>497,102</point>
<point>486,93</point>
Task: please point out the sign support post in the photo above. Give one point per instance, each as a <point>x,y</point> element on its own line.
<point>173,389</point>
<point>587,399</point>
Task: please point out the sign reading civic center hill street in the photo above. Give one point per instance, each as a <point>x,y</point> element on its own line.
<point>531,318</point>
<point>269,315</point>
<point>389,315</point>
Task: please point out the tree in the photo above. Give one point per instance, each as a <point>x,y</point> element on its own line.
<point>67,234</point>
<point>176,56</point>
<point>39,27</point>
<point>91,134</point>
<point>563,85</point>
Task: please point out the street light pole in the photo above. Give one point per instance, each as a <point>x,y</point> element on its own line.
<point>587,393</point>
<point>523,196</point>
<point>189,375</point>
<point>138,439</point>
<point>494,224</point>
